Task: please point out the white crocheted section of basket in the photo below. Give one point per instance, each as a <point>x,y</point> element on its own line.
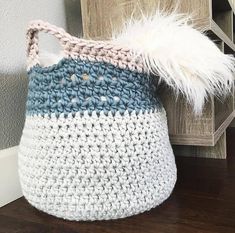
<point>96,167</point>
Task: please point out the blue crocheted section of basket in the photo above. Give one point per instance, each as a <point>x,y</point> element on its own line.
<point>75,85</point>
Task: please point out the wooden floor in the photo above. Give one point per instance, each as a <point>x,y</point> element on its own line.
<point>203,201</point>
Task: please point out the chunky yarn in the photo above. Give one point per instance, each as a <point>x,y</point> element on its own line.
<point>95,143</point>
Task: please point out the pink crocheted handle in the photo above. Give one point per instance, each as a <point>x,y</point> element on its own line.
<point>32,38</point>
<point>101,51</point>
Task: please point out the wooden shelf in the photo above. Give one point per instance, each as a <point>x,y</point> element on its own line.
<point>201,134</point>
<point>222,15</point>
<point>218,151</point>
<point>223,109</point>
<point>213,27</point>
<point>202,140</point>
<point>228,50</point>
<point>187,129</point>
<point>223,127</point>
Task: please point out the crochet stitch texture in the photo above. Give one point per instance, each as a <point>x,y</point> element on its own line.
<point>78,86</point>
<point>95,143</point>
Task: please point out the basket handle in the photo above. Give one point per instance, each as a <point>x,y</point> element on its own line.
<point>32,38</point>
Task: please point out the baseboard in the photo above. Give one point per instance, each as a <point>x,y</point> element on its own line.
<point>10,189</point>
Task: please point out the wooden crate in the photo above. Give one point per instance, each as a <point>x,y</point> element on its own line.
<point>202,134</point>
<point>218,151</point>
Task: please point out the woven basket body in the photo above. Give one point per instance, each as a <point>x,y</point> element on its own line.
<point>95,143</point>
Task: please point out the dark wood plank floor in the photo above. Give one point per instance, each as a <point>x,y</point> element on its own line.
<point>203,201</point>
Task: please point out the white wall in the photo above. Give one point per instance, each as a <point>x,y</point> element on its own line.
<point>14,18</point>
<point>9,178</point>
<point>15,15</point>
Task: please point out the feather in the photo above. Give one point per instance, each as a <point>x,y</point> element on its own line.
<point>186,59</point>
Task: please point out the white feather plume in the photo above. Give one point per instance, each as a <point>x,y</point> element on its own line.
<point>186,59</point>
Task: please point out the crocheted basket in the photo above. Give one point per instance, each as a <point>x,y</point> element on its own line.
<point>95,143</point>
